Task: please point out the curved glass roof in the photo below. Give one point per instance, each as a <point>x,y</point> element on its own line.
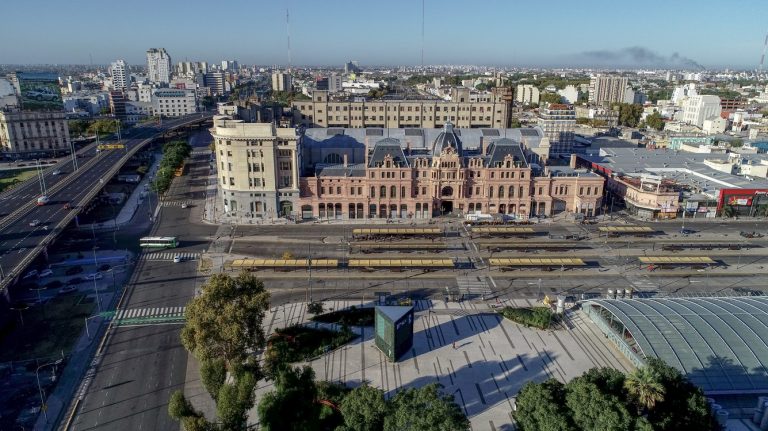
<point>721,344</point>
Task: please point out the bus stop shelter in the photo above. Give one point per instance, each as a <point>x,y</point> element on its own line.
<point>653,262</point>
<point>543,263</point>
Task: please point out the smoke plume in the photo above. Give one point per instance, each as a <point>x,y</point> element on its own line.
<point>639,56</point>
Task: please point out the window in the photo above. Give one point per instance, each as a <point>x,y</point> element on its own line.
<point>490,192</point>
<point>540,190</point>
<point>373,192</point>
<point>393,192</point>
<point>231,181</point>
<point>581,191</point>
<point>322,191</point>
<point>501,191</point>
<point>520,192</point>
<point>511,191</point>
<point>383,191</point>
<point>402,192</point>
<point>338,190</point>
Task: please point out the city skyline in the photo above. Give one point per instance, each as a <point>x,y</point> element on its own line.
<point>556,34</point>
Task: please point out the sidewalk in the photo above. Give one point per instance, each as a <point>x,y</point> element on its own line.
<point>128,211</point>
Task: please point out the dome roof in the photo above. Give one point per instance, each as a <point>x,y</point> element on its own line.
<point>446,138</point>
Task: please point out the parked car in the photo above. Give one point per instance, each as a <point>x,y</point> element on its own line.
<point>177,258</point>
<point>94,276</point>
<point>45,273</point>
<point>67,289</point>
<point>30,274</point>
<point>74,270</point>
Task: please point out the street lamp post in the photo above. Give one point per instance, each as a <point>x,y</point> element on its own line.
<point>43,407</point>
<point>95,285</point>
<point>87,331</point>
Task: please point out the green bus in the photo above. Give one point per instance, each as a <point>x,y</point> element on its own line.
<point>159,242</point>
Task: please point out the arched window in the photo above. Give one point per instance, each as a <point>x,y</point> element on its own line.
<point>393,192</point>
<point>490,192</point>
<point>402,192</point>
<point>520,192</point>
<point>501,191</point>
<point>511,191</point>
<point>383,191</point>
<point>333,158</point>
<point>373,192</point>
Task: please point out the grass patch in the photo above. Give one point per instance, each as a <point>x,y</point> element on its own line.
<point>19,177</point>
<point>300,343</point>
<point>48,329</point>
<point>537,317</point>
<point>352,316</point>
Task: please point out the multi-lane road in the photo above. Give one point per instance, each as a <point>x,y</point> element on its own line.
<point>142,365</point>
<point>20,241</point>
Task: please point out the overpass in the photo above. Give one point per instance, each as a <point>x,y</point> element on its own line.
<point>79,181</point>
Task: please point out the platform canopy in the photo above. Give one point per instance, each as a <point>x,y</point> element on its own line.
<point>626,229</point>
<point>401,263</point>
<point>398,231</point>
<point>509,230</point>
<point>542,261</point>
<point>677,260</point>
<point>284,263</point>
<point>720,343</point>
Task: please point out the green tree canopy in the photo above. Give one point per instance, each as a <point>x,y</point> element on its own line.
<point>655,121</point>
<point>540,407</point>
<point>213,374</point>
<point>292,405</point>
<point>225,321</point>
<point>596,410</point>
<point>424,409</point>
<point>629,114</point>
<point>550,98</point>
<point>644,387</point>
<point>364,409</point>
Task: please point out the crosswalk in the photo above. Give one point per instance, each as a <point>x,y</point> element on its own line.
<point>176,203</point>
<point>169,255</point>
<point>149,316</point>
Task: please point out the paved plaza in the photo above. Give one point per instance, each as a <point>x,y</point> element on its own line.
<point>479,357</point>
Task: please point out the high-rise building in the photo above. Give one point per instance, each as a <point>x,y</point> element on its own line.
<point>281,81</point>
<point>174,102</point>
<point>558,122</point>
<point>230,65</point>
<point>117,104</point>
<point>215,81</point>
<point>607,89</point>
<point>527,94</point>
<point>121,76</point>
<point>334,84</point>
<point>351,67</point>
<point>698,108</point>
<point>158,65</point>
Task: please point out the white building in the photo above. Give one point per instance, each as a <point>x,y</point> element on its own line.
<point>713,126</point>
<point>281,81</point>
<point>334,84</point>
<point>173,102</point>
<point>570,94</point>
<point>696,109</point>
<point>159,65</point>
<point>607,89</point>
<point>683,92</point>
<point>136,111</point>
<point>121,76</point>
<point>527,94</point>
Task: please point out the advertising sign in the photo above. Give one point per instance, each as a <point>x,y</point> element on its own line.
<point>739,200</point>
<point>39,92</point>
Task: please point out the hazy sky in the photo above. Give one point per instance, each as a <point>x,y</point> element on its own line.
<point>492,32</point>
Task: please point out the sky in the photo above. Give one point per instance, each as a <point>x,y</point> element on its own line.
<point>598,33</point>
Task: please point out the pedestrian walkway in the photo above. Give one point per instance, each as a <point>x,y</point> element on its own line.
<point>176,203</point>
<point>149,316</point>
<point>166,255</point>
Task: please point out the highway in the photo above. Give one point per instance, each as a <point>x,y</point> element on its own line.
<point>142,365</point>
<point>20,242</point>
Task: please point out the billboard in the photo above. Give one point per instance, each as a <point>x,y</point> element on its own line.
<point>39,91</point>
<point>740,200</point>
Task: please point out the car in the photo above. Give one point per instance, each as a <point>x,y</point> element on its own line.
<point>184,205</point>
<point>67,289</point>
<point>45,273</point>
<point>56,172</point>
<point>94,276</point>
<point>74,270</point>
<point>177,258</point>
<point>686,231</point>
<point>73,281</point>
<point>34,223</point>
<point>30,274</point>
<point>67,206</point>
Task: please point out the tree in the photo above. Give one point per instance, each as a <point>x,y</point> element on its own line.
<point>424,409</point>
<point>179,407</point>
<point>644,387</point>
<point>539,407</point>
<point>78,127</point>
<point>736,143</point>
<point>595,410</point>
<point>225,321</point>
<point>234,401</point>
<point>213,374</point>
<point>364,409</point>
<point>315,307</point>
<point>728,211</point>
<point>103,126</point>
<point>292,405</point>
<point>629,114</point>
<point>515,123</point>
<point>550,98</point>
<point>655,121</point>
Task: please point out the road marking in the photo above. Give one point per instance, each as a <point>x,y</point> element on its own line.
<point>169,255</point>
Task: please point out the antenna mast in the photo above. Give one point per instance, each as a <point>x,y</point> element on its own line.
<point>762,57</point>
<point>288,33</point>
<point>422,36</point>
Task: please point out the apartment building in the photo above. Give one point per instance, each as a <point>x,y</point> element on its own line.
<point>430,114</point>
<point>607,89</point>
<point>174,102</point>
<point>558,122</point>
<point>33,134</point>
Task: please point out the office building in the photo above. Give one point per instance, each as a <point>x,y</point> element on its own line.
<point>282,81</point>
<point>158,65</point>
<point>33,134</point>
<point>347,173</point>
<point>558,122</point>
<point>230,65</point>
<point>215,81</point>
<point>174,102</point>
<point>335,84</point>
<point>526,94</point>
<point>121,76</point>
<point>351,67</point>
<point>607,89</point>
<point>117,104</point>
<point>322,112</point>
<point>698,108</point>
